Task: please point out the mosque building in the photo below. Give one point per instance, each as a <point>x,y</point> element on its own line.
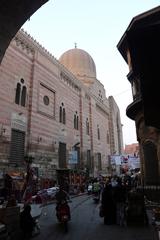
<point>55,113</point>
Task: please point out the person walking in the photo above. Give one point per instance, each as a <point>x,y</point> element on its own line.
<point>108,205</point>
<point>27,223</point>
<point>120,198</point>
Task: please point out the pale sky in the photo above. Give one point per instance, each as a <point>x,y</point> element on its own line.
<point>96,26</point>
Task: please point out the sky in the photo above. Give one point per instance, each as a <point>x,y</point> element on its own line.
<point>96,26</point>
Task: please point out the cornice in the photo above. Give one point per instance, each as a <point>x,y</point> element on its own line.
<point>24,44</point>
<point>27,41</point>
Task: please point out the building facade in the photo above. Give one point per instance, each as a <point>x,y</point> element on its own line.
<point>55,113</point>
<point>140,48</point>
<point>131,149</point>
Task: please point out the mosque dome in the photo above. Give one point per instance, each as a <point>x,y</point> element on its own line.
<point>81,64</point>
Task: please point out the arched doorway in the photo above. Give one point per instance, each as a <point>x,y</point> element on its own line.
<point>150,163</point>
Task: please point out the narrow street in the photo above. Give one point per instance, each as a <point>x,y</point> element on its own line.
<point>86,224</point>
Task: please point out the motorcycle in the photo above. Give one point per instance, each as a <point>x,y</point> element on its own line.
<point>63,214</point>
<point>89,189</point>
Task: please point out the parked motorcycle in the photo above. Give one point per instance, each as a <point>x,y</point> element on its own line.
<point>63,214</point>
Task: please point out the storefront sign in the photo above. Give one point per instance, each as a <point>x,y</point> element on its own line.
<point>18,122</point>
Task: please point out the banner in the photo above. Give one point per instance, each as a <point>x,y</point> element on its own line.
<point>133,162</point>
<point>116,159</point>
<point>73,157</point>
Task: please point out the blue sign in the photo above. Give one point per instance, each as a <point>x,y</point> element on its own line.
<point>73,158</point>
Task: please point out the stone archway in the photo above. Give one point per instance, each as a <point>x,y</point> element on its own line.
<point>13,14</point>
<point>150,163</point>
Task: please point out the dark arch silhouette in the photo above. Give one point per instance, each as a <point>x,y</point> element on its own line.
<point>13,14</point>
<point>151,163</point>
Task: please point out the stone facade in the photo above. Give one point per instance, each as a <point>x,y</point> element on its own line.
<point>48,114</point>
<point>143,74</point>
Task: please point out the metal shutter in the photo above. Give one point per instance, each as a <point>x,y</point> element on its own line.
<point>17,147</point>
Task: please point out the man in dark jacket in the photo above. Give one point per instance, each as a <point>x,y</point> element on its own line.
<point>27,222</point>
<point>108,205</point>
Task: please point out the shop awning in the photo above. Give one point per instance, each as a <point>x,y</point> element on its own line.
<point>15,175</point>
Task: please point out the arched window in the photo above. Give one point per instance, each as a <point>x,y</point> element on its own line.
<point>18,93</point>
<point>75,118</point>
<point>76,121</point>
<point>62,114</point>
<point>23,96</point>
<point>21,93</point>
<point>98,132</point>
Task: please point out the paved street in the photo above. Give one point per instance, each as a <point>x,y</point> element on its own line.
<point>86,224</point>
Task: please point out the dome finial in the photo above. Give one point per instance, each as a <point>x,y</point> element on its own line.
<point>75,45</point>
<point>81,64</point>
